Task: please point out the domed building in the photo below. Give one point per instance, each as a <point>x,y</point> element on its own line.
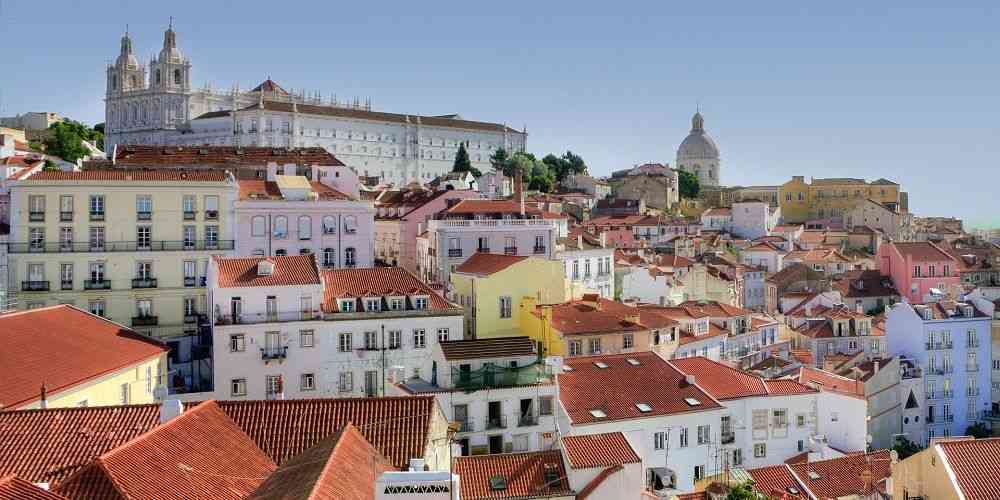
<point>698,154</point>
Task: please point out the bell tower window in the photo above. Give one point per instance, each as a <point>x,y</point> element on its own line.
<point>114,82</point>
<point>157,77</point>
<point>177,77</point>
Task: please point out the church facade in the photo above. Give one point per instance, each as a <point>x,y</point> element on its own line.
<point>397,148</point>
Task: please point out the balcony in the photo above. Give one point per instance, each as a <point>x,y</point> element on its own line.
<point>97,284</point>
<point>465,425</point>
<point>144,216</point>
<point>145,320</point>
<point>190,318</point>
<point>943,394</point>
<point>211,215</point>
<point>938,346</point>
<point>454,252</point>
<point>273,353</point>
<point>36,216</point>
<point>941,370</point>
<point>144,283</point>
<point>527,420</point>
<point>120,246</point>
<point>65,216</point>
<point>97,216</point>
<point>190,281</point>
<point>66,284</point>
<point>246,318</point>
<point>34,286</point>
<point>538,249</point>
<point>496,422</point>
<point>510,250</point>
<point>483,249</point>
<point>189,215</point>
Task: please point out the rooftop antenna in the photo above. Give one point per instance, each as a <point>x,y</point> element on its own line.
<point>171,25</point>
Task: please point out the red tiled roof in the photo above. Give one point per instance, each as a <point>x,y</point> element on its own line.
<point>524,474</point>
<point>599,450</point>
<point>399,427</point>
<point>120,175</point>
<point>674,261</point>
<point>975,464</point>
<point>145,156</point>
<point>827,381</point>
<point>478,206</point>
<point>485,264</point>
<point>841,477</point>
<point>341,467</point>
<point>580,317</point>
<point>776,480</point>
<point>46,446</point>
<point>763,246</point>
<point>803,356</point>
<point>61,347</point>
<point>20,161</point>
<point>816,255</point>
<point>266,190</point>
<point>617,389</point>
<point>616,220</point>
<point>864,283</point>
<point>922,251</point>
<point>724,382</point>
<point>375,281</point>
<point>14,488</point>
<point>199,454</point>
<point>489,347</point>
<point>714,309</point>
<point>289,270</point>
<point>721,211</point>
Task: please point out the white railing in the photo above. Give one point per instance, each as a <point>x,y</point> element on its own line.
<point>434,224</point>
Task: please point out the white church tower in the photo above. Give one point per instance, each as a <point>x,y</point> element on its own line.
<point>698,153</point>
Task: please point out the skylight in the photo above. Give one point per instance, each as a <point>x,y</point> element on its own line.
<point>600,364</point>
<point>598,414</point>
<point>813,475</point>
<point>692,402</point>
<point>498,483</point>
<point>643,407</point>
<point>633,361</point>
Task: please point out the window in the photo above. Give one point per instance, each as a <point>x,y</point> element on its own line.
<point>96,307</point>
<point>683,437</point>
<point>545,405</point>
<point>189,237</point>
<point>143,237</point>
<point>36,238</point>
<point>307,382</point>
<point>395,339</point>
<point>505,306</point>
<point>257,226</point>
<point>345,382</point>
<point>395,304</point>
<point>781,418</point>
<point>125,393</point>
<point>329,257</point>
<point>576,269</point>
<point>143,270</point>
<point>188,207</point>
<point>305,227</point>
<point>699,472</point>
<point>36,208</point>
<point>420,303</point>
<point>760,450</point>
<point>237,342</point>
<point>419,338</point>
<point>349,257</point>
<point>371,341</point>
<point>659,440</point>
<point>238,387</point>
<point>189,306</point>
<point>280,230</point>
<point>760,419</point>
<point>66,238</point>
<point>350,224</point>
<point>143,207</point>
<point>307,338</point>
<point>211,236</point>
<point>575,348</point>
<point>628,341</point>
<point>704,434</point>
<point>594,345</point>
<point>442,334</point>
<point>737,457</point>
<point>329,224</point>
<point>800,420</point>
<point>211,207</point>
<point>177,77</point>
<point>149,380</point>
<point>96,207</point>
<point>344,342</point>
<point>66,276</point>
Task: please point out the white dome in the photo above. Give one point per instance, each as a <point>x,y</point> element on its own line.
<point>127,61</point>
<point>171,55</point>
<point>698,145</point>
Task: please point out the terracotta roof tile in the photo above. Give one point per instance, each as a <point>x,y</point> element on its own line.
<point>975,464</point>
<point>617,389</point>
<point>378,282</point>
<point>922,251</point>
<point>864,283</point>
<point>199,454</point>
<point>599,450</point>
<point>581,317</point>
<point>62,346</point>
<point>714,309</point>
<point>803,356</point>
<point>776,480</point>
<point>14,488</point>
<point>266,190</point>
<point>841,477</point>
<point>717,212</point>
<point>178,156</point>
<point>827,381</point>
<point>290,270</point>
<point>472,206</point>
<point>119,175</point>
<point>485,264</point>
<point>495,347</point>
<point>724,382</point>
<point>523,473</point>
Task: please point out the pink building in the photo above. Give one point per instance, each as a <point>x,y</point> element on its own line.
<point>402,215</point>
<point>917,267</point>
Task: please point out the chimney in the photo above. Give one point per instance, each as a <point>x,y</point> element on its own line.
<point>170,409</point>
<point>43,402</point>
<point>604,240</point>
<point>876,363</point>
<point>519,189</point>
<point>579,241</point>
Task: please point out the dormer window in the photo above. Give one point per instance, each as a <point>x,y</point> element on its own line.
<point>420,303</point>
<point>373,305</point>
<point>346,305</point>
<point>395,303</point>
<point>265,268</point>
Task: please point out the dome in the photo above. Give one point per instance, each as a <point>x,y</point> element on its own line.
<point>127,61</point>
<point>170,52</point>
<point>698,145</point>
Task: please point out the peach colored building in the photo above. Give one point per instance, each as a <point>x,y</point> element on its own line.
<point>917,267</point>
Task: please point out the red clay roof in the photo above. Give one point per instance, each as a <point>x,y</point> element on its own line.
<point>714,309</point>
<point>61,347</point>
<point>147,156</point>
<point>341,467</point>
<point>524,474</point>
<point>975,464</point>
<point>721,212</point>
<point>375,281</point>
<point>14,488</point>
<point>724,382</point>
<point>824,380</point>
<point>579,317</point>
<point>478,206</point>
<point>200,454</point>
<point>922,251</point>
<point>775,481</point>
<point>265,190</point>
<point>617,389</point>
<point>489,347</point>
<point>599,450</point>
<point>485,264</point>
<point>120,175</point>
<point>840,477</point>
<point>289,270</point>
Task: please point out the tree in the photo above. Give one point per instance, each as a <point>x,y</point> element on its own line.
<point>744,491</point>
<point>462,162</point>
<point>904,447</point>
<point>499,159</point>
<point>50,166</point>
<point>542,179</point>
<point>65,140</point>
<point>689,185</point>
<point>565,165</point>
<point>978,431</point>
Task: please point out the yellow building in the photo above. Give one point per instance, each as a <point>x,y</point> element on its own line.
<point>833,198</point>
<point>585,327</point>
<point>64,357</point>
<point>490,288</point>
<point>130,245</point>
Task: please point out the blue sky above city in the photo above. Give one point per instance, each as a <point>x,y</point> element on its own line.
<point>909,91</point>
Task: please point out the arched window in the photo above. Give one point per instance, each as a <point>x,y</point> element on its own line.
<point>158,76</point>
<point>350,224</point>
<point>177,77</point>
<point>281,252</point>
<point>349,257</point>
<point>114,82</point>
<point>329,224</point>
<point>257,226</point>
<point>329,257</point>
<point>280,227</point>
<point>305,227</point>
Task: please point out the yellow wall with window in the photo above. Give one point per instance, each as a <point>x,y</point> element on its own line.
<point>144,381</point>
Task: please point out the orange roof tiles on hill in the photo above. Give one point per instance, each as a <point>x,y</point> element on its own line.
<point>61,347</point>
<point>975,465</point>
<point>341,467</point>
<point>266,190</point>
<point>289,270</point>
<point>140,156</point>
<point>840,477</point>
<point>14,488</point>
<point>714,309</point>
<point>118,175</point>
<point>375,281</point>
<point>523,473</point>
<point>200,454</point>
<point>485,264</point>
<point>617,389</point>
<point>599,450</point>
<point>724,382</point>
<point>814,377</point>
<point>582,317</point>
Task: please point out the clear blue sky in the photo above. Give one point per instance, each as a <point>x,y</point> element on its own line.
<point>903,90</point>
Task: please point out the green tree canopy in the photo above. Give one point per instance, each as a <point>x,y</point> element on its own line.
<point>463,163</point>
<point>65,140</point>
<point>905,448</point>
<point>744,491</point>
<point>689,185</point>
<point>499,159</point>
<point>563,166</point>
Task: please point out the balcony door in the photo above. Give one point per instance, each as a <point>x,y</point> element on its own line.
<point>235,309</point>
